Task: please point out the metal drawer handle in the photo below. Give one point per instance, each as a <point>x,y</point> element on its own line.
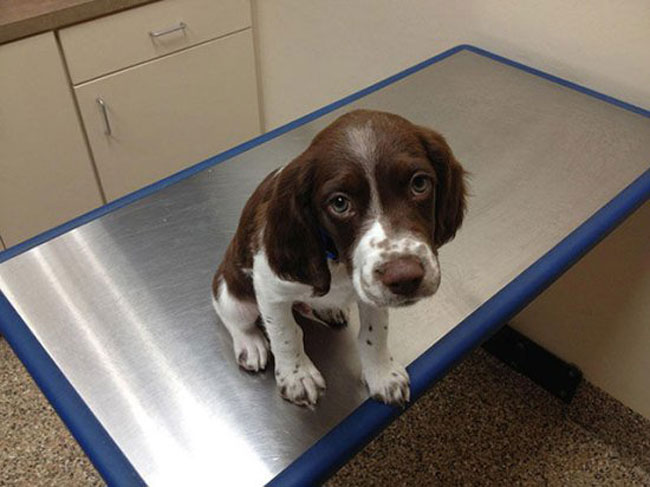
<point>104,109</point>
<point>158,33</point>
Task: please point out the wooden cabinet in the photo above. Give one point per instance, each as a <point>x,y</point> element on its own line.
<point>148,92</point>
<point>171,112</point>
<point>46,175</point>
<point>163,86</point>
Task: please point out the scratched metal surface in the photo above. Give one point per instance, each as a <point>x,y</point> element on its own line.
<point>122,304</point>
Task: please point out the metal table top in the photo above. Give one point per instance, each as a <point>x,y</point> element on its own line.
<point>122,303</point>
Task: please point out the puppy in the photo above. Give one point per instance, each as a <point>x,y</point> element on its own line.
<point>359,216</point>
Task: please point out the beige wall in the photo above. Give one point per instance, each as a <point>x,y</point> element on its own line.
<point>312,53</point>
<point>315,52</point>
<point>598,314</point>
<point>602,44</point>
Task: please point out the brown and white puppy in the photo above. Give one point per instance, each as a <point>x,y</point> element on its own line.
<point>359,215</point>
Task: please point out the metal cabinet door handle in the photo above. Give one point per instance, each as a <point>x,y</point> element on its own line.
<point>176,28</point>
<point>104,109</point>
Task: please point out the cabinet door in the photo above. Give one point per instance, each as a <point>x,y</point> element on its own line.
<point>46,176</point>
<point>162,116</point>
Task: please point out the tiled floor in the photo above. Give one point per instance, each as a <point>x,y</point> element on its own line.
<point>482,425</point>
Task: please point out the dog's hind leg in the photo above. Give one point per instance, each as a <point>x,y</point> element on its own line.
<point>336,318</point>
<point>240,318</point>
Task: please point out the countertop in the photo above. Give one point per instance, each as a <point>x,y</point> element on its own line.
<point>22,18</point>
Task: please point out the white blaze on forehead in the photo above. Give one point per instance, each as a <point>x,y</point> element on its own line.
<point>362,141</point>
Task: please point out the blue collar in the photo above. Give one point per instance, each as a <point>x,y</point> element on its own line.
<point>328,243</point>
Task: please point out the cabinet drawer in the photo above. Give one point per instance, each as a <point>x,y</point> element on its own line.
<point>170,113</point>
<point>117,41</point>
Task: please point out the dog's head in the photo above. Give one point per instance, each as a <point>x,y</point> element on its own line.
<point>375,192</point>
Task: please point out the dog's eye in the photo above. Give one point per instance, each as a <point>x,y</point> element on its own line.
<point>340,204</point>
<point>420,184</point>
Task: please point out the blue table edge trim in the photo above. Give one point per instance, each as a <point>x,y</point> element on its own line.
<point>104,453</point>
<point>320,461</point>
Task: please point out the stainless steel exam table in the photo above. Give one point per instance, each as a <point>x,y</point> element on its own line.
<point>111,313</point>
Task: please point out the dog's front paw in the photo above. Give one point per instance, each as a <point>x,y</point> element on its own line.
<point>251,350</point>
<point>389,383</point>
<point>300,382</point>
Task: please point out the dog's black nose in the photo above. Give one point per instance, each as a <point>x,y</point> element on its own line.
<point>402,275</point>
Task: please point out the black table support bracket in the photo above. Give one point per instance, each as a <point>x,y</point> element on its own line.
<point>535,362</point>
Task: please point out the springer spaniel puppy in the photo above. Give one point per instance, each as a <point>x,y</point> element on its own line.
<point>360,216</point>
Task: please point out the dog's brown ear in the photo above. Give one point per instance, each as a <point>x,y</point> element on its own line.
<point>451,188</point>
<point>292,238</point>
